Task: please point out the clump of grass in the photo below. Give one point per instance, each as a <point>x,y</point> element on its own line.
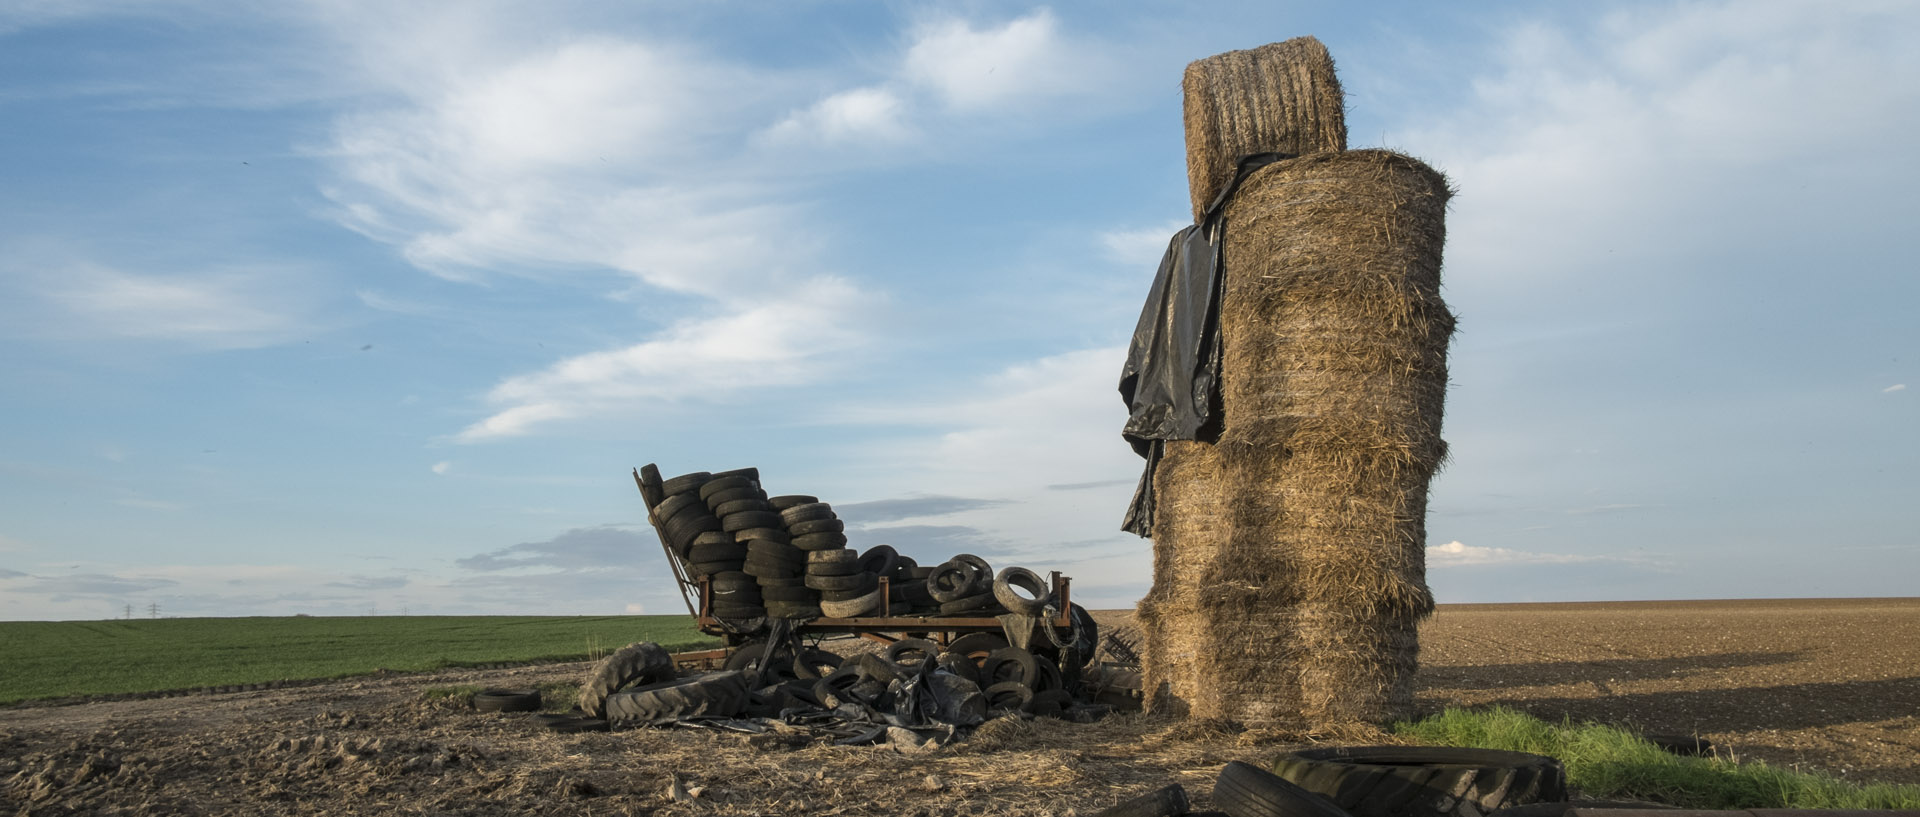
<point>1610,762</point>
<point>558,696</point>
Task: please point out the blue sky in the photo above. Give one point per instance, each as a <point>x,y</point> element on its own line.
<point>339,307</point>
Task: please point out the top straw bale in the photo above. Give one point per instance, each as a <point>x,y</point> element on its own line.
<point>1282,97</point>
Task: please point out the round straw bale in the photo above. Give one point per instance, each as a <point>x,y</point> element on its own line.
<point>1282,97</point>
<point>1289,555</point>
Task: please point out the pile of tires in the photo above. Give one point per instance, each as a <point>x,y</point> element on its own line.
<point>788,557</point>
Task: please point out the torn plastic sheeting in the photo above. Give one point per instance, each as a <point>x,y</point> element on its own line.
<point>1171,380</point>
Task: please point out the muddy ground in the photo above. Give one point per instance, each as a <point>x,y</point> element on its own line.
<point>1832,685</point>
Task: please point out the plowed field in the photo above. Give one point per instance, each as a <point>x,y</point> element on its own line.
<point>1833,685</point>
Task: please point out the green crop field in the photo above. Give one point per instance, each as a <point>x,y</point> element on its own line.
<point>52,659</point>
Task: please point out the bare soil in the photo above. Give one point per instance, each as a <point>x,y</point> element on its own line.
<point>1819,684</point>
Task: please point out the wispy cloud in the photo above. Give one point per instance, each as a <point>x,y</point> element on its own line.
<point>1457,554</point>
<point>1140,248</point>
<point>785,342</point>
<point>442,468</point>
<point>218,308</point>
<point>577,549</point>
<point>912,507</point>
<point>955,69</point>
<point>1894,388</point>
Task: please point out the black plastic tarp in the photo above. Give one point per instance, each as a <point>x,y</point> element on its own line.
<point>1171,381</point>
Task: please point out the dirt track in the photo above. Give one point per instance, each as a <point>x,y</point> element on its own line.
<point>1827,684</point>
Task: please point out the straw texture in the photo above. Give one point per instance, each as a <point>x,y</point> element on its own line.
<point>1282,97</point>
<point>1289,556</point>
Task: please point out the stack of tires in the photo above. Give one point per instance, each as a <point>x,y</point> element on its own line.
<point>963,586</point>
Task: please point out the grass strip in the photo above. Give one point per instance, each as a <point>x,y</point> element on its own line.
<point>55,659</point>
<point>1607,762</point>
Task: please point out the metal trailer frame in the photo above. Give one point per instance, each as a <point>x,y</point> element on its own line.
<point>884,628</point>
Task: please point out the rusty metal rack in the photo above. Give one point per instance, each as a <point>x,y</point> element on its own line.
<point>885,627</point>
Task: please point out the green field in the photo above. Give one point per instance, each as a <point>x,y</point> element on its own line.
<point>53,659</point>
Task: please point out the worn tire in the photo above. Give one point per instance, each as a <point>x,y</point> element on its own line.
<point>1250,791</point>
<point>672,506</point>
<point>507,700</point>
<point>1008,695</point>
<point>718,552</point>
<point>1012,577</point>
<point>642,662</point>
<point>1170,801</point>
<point>746,520</point>
<point>1561,808</point>
<point>960,665</point>
<point>910,653</point>
<point>851,608</point>
<point>820,541</point>
<point>722,694</point>
<point>719,483</point>
<point>569,723</point>
<point>950,582</point>
<point>976,646</point>
<point>779,535</point>
<point>971,606</point>
<point>796,514</point>
<point>818,526</point>
<point>1424,781</point>
<point>727,509</point>
<point>684,483</point>
<point>851,581</point>
<point>781,503</point>
<point>1011,664</point>
<point>879,560</point>
<point>1049,703</point>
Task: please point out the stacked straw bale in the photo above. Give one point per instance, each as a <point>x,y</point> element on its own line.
<point>1289,555</point>
<point>1283,97</point>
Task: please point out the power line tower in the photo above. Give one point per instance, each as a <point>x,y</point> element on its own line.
<point>153,609</point>
<point>129,613</point>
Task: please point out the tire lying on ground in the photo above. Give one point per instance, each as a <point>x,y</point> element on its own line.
<point>1425,781</point>
<point>722,694</point>
<point>506,700</point>
<point>570,722</point>
<point>1249,791</point>
<point>642,662</point>
<point>1170,801</point>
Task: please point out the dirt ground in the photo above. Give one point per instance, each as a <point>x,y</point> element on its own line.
<point>1833,685</point>
<point>1829,684</point>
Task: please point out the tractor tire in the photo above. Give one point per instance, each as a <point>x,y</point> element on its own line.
<point>1425,781</point>
<point>721,694</point>
<point>642,662</point>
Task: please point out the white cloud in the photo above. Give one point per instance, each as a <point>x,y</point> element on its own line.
<point>972,68</point>
<point>859,114</point>
<point>636,609</point>
<point>1579,140</point>
<point>442,467</point>
<point>963,69</point>
<point>1894,388</point>
<point>786,341</point>
<point>1457,554</point>
<point>1142,247</point>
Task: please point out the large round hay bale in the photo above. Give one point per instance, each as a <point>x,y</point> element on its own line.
<point>1289,556</point>
<point>1283,97</point>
